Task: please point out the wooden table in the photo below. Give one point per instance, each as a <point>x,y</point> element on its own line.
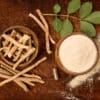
<point>15,12</point>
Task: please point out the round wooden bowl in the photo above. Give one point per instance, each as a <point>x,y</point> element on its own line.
<point>59,63</point>
<point>23,30</point>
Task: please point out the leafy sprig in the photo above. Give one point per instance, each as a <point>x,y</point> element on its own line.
<point>86,17</point>
<point>73,6</point>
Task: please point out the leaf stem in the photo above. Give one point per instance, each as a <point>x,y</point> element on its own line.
<point>61,15</point>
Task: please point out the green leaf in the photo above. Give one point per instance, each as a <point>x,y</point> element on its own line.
<point>57,24</point>
<point>56,8</point>
<point>73,6</point>
<point>88,28</point>
<point>67,27</point>
<point>94,17</point>
<point>85,9</point>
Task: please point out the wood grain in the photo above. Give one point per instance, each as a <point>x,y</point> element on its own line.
<point>15,12</point>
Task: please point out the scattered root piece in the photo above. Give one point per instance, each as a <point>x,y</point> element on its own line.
<point>20,80</point>
<point>22,72</point>
<point>44,27</point>
<point>32,80</point>
<point>21,84</point>
<point>55,73</point>
<point>37,21</point>
<point>29,83</point>
<point>9,69</point>
<point>52,40</point>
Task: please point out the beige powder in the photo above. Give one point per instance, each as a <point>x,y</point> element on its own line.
<point>78,53</point>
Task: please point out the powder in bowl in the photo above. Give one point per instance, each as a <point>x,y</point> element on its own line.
<point>77,53</point>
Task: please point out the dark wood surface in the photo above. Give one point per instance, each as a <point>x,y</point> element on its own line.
<point>15,12</point>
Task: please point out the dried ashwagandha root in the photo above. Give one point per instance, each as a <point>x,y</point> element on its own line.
<point>3,71</point>
<point>29,52</point>
<point>6,74</point>
<point>23,72</point>
<point>7,37</point>
<point>21,84</point>
<point>5,43</point>
<point>10,46</point>
<point>13,34</point>
<point>20,77</point>
<point>22,40</point>
<point>17,47</point>
<point>44,26</point>
<point>55,73</point>
<point>20,48</point>
<point>9,69</point>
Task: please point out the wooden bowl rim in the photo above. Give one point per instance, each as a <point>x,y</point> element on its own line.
<point>57,59</point>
